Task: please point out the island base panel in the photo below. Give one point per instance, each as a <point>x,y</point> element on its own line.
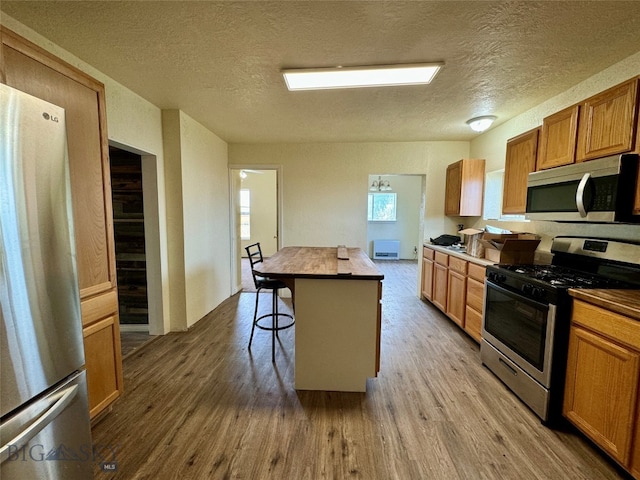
<point>336,334</point>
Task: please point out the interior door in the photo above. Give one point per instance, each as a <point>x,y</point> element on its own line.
<point>259,209</point>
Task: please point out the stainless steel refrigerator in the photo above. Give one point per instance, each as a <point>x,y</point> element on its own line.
<point>44,426</point>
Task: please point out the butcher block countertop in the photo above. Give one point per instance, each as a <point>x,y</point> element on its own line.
<point>624,302</point>
<point>320,262</point>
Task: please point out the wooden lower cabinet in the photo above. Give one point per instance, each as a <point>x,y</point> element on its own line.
<point>457,290</point>
<point>635,454</point>
<point>456,287</point>
<point>440,289</point>
<point>603,377</point>
<point>104,375</point>
<point>427,273</point>
<point>475,307</point>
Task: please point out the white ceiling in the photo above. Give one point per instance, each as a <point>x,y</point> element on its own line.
<point>220,62</point>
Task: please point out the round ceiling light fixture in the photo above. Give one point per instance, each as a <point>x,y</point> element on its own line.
<point>480,124</point>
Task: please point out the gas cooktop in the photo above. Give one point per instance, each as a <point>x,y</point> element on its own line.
<point>563,277</point>
<point>578,262</point>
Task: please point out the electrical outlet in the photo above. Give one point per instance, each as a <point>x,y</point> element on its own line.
<point>415,249</point>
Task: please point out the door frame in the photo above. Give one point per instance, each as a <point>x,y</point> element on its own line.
<point>152,238</point>
<point>235,253</point>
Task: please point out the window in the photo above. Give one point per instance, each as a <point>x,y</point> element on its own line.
<point>493,199</point>
<point>382,207</point>
<point>245,214</point>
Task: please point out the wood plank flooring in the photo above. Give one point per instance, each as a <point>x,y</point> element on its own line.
<point>199,405</point>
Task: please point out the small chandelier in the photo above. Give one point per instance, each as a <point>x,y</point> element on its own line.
<point>380,185</point>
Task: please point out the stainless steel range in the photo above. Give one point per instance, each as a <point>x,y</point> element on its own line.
<point>525,328</point>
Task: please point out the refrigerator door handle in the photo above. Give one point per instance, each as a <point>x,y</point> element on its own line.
<point>66,396</point>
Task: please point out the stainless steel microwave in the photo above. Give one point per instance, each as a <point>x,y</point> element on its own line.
<point>596,191</point>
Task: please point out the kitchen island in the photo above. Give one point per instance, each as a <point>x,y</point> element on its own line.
<point>336,293</point>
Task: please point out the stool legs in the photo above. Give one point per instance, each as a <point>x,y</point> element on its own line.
<point>255,318</point>
<point>275,318</point>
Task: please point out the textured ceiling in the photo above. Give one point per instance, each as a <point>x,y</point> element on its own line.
<point>220,62</point>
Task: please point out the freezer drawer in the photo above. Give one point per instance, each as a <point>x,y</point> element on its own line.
<point>50,437</point>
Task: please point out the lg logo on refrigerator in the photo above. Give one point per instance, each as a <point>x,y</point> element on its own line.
<point>53,118</point>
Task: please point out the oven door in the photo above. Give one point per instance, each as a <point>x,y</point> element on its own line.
<point>520,328</point>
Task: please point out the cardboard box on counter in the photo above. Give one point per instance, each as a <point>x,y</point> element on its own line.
<point>510,248</point>
<point>473,247</point>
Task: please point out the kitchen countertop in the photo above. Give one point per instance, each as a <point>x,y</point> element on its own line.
<point>319,262</point>
<point>460,254</point>
<point>624,302</point>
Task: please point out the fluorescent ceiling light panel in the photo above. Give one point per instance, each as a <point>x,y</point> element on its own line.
<point>358,77</point>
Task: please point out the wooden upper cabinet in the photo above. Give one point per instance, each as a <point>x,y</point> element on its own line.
<point>29,68</point>
<point>464,188</point>
<point>453,189</point>
<point>558,138</point>
<point>34,71</point>
<point>520,161</point>
<point>608,122</point>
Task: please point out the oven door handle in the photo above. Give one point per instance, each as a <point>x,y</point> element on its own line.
<point>580,195</point>
<point>518,296</point>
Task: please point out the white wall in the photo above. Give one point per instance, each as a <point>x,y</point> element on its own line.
<point>492,146</point>
<point>325,185</point>
<point>409,216</point>
<point>199,235</point>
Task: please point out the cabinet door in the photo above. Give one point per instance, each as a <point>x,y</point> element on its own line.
<point>440,286</point>
<point>102,347</point>
<point>601,391</point>
<point>475,294</point>
<point>473,324</point>
<point>608,122</point>
<point>427,278</point>
<point>33,71</point>
<point>520,161</point>
<point>457,297</point>
<point>635,454</point>
<point>453,189</point>
<point>558,138</point>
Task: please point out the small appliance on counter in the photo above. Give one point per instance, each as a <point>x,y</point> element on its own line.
<point>445,240</point>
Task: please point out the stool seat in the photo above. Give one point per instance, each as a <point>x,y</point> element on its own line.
<point>264,283</point>
<point>269,283</point>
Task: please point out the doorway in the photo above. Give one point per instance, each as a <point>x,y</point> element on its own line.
<point>395,218</point>
<point>137,240</point>
<point>256,214</point>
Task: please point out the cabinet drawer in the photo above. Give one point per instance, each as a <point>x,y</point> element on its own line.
<point>442,258</point>
<point>458,265</point>
<point>428,253</point>
<point>475,295</point>
<point>477,272</point>
<point>616,327</point>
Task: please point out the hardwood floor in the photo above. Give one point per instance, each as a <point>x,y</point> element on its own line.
<point>199,405</point>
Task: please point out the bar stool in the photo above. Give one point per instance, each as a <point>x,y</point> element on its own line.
<point>264,283</point>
